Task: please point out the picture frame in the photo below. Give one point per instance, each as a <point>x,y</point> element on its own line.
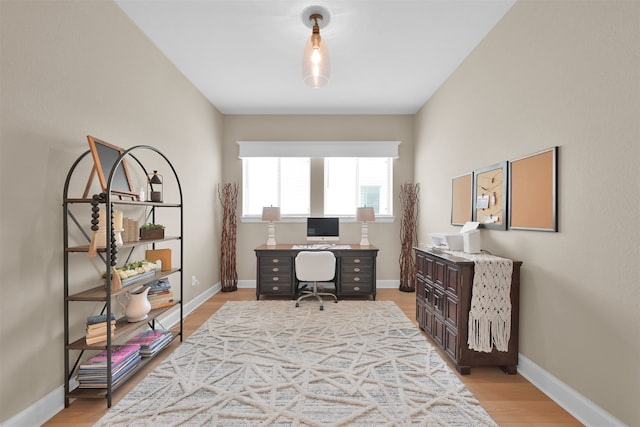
<point>105,157</point>
<point>490,196</point>
<point>462,199</point>
<point>533,191</point>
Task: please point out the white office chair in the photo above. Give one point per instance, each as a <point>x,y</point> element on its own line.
<point>315,266</point>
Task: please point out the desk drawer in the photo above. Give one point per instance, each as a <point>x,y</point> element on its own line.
<point>351,262</point>
<point>276,275</point>
<point>356,288</point>
<point>275,261</point>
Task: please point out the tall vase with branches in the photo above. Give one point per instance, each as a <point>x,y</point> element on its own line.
<point>228,196</point>
<point>409,204</point>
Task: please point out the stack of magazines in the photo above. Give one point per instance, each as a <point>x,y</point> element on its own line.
<point>93,372</point>
<point>151,341</point>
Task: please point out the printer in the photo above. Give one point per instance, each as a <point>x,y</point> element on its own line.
<point>467,239</point>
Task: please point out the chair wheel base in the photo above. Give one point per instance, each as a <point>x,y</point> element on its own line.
<point>321,308</point>
<point>297,305</point>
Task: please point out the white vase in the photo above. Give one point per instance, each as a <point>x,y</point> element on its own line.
<point>138,306</point>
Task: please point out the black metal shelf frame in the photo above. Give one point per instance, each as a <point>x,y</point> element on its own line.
<point>107,256</point>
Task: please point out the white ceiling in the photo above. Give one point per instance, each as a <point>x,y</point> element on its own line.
<point>387,56</point>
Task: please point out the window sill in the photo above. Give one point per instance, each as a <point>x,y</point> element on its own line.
<point>303,219</point>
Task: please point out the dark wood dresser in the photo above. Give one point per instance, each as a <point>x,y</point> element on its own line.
<point>443,300</point>
<point>355,270</point>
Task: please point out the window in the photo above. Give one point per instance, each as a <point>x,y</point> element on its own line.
<point>352,182</point>
<point>275,181</point>
<point>356,173</point>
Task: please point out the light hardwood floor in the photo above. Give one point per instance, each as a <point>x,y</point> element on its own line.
<point>510,399</point>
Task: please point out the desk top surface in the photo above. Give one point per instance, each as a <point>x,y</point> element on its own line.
<point>316,247</point>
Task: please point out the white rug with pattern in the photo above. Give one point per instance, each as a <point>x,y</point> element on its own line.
<point>268,363</point>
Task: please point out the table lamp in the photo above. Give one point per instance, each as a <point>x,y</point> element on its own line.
<point>365,214</point>
<point>271,213</point>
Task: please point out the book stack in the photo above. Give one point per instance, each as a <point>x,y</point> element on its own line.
<point>160,294</point>
<point>151,341</point>
<point>93,372</point>
<point>97,328</point>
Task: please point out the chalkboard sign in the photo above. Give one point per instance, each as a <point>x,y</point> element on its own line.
<point>105,156</point>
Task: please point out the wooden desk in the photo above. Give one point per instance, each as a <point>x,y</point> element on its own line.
<point>355,270</point>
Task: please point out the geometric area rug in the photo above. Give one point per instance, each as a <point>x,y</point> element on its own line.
<point>357,363</point>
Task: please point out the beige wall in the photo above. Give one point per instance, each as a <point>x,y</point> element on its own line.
<point>557,74</point>
<point>386,236</point>
<point>551,73</point>
<point>72,68</point>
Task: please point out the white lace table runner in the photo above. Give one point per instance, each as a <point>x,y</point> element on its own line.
<point>490,313</point>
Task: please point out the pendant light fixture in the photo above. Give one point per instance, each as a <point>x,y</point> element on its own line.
<point>316,66</point>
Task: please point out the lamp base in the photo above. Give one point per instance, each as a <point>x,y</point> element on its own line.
<point>271,236</point>
<point>365,234</point>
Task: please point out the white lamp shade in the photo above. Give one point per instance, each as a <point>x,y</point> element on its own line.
<point>365,214</point>
<point>271,213</point>
<point>316,71</point>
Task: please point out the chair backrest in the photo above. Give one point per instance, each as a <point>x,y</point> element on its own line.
<point>314,266</point>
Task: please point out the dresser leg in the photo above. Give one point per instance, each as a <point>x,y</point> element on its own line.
<point>464,370</point>
<point>509,370</point>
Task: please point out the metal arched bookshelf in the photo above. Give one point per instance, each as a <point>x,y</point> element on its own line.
<point>77,226</point>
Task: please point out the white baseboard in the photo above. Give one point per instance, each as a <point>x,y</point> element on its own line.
<point>45,408</point>
<point>573,402</point>
<point>380,284</point>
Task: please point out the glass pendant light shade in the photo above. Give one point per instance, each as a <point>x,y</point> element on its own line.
<point>316,65</point>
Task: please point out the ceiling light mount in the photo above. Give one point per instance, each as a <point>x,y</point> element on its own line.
<point>323,12</point>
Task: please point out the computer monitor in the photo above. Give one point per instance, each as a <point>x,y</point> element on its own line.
<point>323,229</point>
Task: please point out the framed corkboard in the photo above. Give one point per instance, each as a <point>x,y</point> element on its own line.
<point>533,191</point>
<point>105,157</point>
<point>490,196</point>
<point>461,199</point>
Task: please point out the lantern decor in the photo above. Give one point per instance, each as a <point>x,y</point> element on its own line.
<point>155,186</point>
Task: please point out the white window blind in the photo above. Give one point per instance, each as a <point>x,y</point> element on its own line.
<point>353,182</point>
<point>275,181</point>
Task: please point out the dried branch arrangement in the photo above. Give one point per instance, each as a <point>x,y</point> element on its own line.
<point>228,196</point>
<point>409,204</point>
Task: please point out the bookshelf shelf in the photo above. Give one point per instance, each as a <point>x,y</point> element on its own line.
<point>77,213</point>
<point>103,393</point>
<point>99,293</point>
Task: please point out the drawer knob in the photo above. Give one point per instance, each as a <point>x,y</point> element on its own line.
<point>275,269</point>
<point>275,260</point>
<point>275,279</point>
<point>357,260</point>
<point>356,279</point>
<point>357,270</point>
<point>356,288</point>
<point>275,288</point>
